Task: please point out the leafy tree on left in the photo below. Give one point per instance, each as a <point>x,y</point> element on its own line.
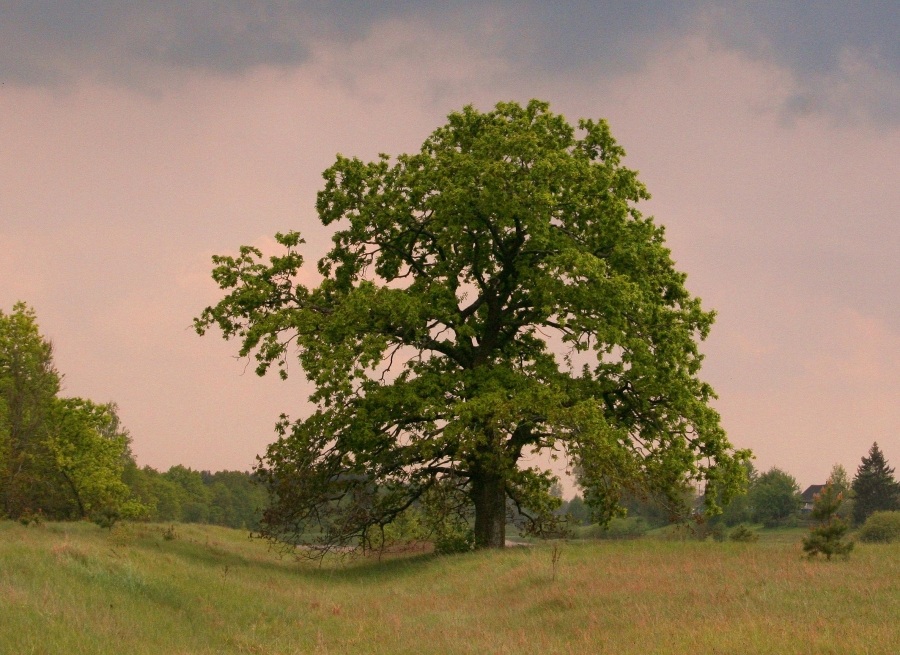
<point>61,457</point>
<point>28,385</point>
<point>89,450</point>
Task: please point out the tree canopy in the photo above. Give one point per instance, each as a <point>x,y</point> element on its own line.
<point>59,457</point>
<point>29,383</point>
<point>495,294</point>
<point>774,497</point>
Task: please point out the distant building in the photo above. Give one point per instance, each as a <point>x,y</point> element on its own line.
<point>809,497</point>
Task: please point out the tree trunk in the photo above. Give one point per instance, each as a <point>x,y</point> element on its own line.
<point>489,498</point>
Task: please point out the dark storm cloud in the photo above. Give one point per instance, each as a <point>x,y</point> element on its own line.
<point>564,36</point>
<point>811,36</point>
<point>843,54</point>
<point>46,43</point>
<point>808,37</point>
<point>230,35</point>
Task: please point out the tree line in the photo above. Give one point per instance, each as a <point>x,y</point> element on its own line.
<point>773,498</point>
<point>70,458</point>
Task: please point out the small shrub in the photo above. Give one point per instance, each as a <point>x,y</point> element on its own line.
<point>27,518</point>
<point>743,534</point>
<point>406,528</point>
<point>629,527</point>
<point>715,530</point>
<point>788,522</point>
<point>692,531</point>
<point>106,518</point>
<point>677,532</point>
<point>881,527</point>
<point>827,537</point>
<point>454,539</point>
<point>133,510</point>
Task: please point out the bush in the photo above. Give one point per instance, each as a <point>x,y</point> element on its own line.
<point>744,534</point>
<point>717,532</point>
<point>700,530</point>
<point>106,517</point>
<point>454,539</point>
<point>629,527</point>
<point>881,527</point>
<point>29,518</point>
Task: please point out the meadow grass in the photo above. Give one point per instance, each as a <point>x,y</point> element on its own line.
<point>74,588</point>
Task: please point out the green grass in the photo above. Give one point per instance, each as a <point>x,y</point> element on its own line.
<point>73,588</point>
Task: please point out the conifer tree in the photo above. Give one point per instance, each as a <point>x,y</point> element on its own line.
<point>827,537</point>
<point>874,486</point>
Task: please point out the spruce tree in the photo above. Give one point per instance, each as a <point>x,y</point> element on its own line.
<point>874,486</point>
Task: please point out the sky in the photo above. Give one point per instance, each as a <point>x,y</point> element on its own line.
<point>139,139</point>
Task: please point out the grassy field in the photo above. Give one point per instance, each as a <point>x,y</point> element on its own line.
<point>74,588</point>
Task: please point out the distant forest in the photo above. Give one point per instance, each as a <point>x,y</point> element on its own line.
<point>229,498</point>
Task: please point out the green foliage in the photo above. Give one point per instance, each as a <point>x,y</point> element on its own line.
<point>194,496</point>
<point>577,511</point>
<point>106,518</point>
<point>827,537</point>
<point>774,498</point>
<point>717,531</point>
<point>407,528</point>
<point>840,480</point>
<point>28,385</point>
<point>738,509</point>
<point>181,494</point>
<point>446,516</point>
<point>881,527</point>
<point>27,518</point>
<point>89,451</point>
<point>743,534</point>
<point>874,487</point>
<point>495,294</point>
<point>657,509</point>
<point>454,539</point>
<point>629,527</point>
<point>62,457</point>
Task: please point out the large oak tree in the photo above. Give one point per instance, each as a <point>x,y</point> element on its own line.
<point>495,294</point>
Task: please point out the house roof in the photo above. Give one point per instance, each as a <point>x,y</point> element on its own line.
<point>810,494</point>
